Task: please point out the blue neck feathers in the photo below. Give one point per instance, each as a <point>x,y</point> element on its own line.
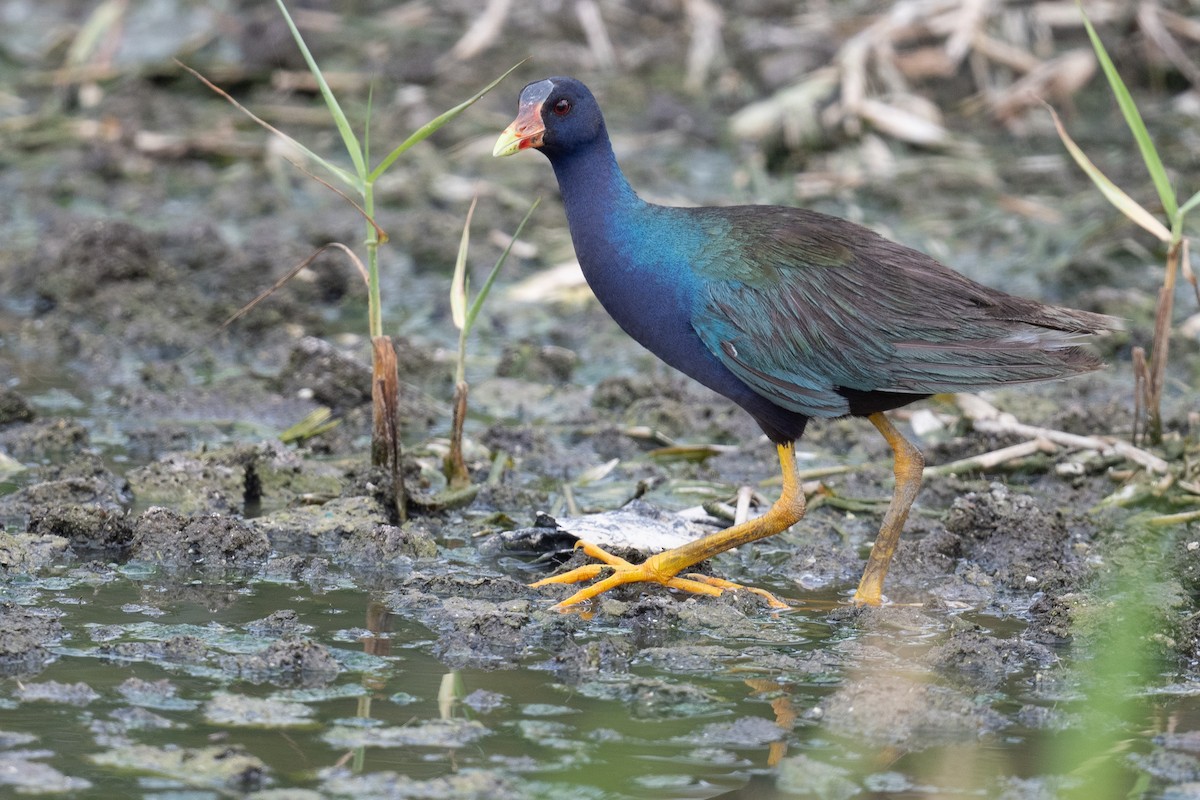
<point>597,198</point>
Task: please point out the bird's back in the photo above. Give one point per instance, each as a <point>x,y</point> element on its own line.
<point>818,314</point>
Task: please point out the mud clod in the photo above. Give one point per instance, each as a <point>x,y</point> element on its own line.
<point>210,542</point>
<point>289,662</point>
<point>89,528</point>
<point>982,662</point>
<point>73,694</point>
<point>330,376</point>
<point>25,636</point>
<point>176,650</point>
<point>14,407</point>
<point>284,622</point>
<point>537,363</point>
<point>386,548</point>
<point>1015,540</point>
<point>102,253</point>
<point>884,707</point>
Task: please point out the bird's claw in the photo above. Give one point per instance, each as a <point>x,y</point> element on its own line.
<point>650,571</point>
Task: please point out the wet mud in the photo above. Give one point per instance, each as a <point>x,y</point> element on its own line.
<point>168,563</point>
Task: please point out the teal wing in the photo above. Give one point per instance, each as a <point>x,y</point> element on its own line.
<point>803,307</point>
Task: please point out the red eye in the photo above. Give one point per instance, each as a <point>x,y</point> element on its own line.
<point>562,107</point>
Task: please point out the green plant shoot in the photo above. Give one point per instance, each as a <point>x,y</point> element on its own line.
<point>385,437</point>
<point>464,316</point>
<point>1151,379</point>
<point>362,179</point>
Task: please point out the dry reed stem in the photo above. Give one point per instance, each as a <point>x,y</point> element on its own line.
<point>460,476</point>
<point>1007,45</point>
<point>484,31</point>
<point>986,418</point>
<point>994,458</point>
<point>705,48</point>
<point>596,34</point>
<point>385,405</point>
<point>1152,23</point>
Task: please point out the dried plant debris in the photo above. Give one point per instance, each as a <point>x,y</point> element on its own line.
<point>1010,56</point>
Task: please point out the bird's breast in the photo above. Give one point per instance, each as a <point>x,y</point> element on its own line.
<point>650,290</point>
<point>650,298</point>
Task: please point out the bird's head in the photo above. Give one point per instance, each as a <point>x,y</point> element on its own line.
<point>555,115</point>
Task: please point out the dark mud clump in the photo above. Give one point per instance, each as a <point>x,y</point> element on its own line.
<point>220,766</point>
<point>204,542</point>
<point>103,254</point>
<point>80,481</point>
<point>182,649</point>
<point>481,621</point>
<point>14,407</point>
<point>977,660</point>
<point>25,638</point>
<point>71,694</point>
<point>887,708</point>
<point>386,548</point>
<point>331,377</point>
<point>284,622</point>
<point>90,528</point>
<point>1015,541</point>
<point>294,661</point>
<point>27,554</point>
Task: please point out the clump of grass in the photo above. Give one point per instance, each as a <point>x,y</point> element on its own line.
<point>464,316</point>
<point>359,185</point>
<point>1150,373</point>
<point>1119,656</point>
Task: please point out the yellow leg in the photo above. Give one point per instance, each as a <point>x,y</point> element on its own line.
<point>664,567</point>
<point>910,465</point>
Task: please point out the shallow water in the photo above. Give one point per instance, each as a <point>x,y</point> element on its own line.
<point>998,671</point>
<point>688,727</point>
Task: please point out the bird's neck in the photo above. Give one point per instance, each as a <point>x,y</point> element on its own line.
<point>595,194</point>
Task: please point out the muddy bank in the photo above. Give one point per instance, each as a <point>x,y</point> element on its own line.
<point>188,599</point>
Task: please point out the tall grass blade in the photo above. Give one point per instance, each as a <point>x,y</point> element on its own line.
<point>426,130</point>
<point>1133,119</point>
<point>335,110</point>
<point>1126,204</point>
<point>458,285</point>
<point>477,304</point>
<point>1191,203</point>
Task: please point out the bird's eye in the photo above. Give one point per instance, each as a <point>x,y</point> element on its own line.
<point>562,107</point>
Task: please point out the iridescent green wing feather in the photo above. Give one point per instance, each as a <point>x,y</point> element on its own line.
<point>802,306</point>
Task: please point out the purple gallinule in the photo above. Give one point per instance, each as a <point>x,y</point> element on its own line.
<point>789,313</point>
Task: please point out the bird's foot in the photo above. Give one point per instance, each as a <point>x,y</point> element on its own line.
<point>662,568</point>
<point>867,598</point>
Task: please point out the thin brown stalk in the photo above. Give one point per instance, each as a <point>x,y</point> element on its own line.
<point>379,232</point>
<point>1151,24</point>
<point>291,273</point>
<point>460,476</point>
<point>1141,380</point>
<point>232,101</point>
<point>1162,341</point>
<point>385,403</point>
